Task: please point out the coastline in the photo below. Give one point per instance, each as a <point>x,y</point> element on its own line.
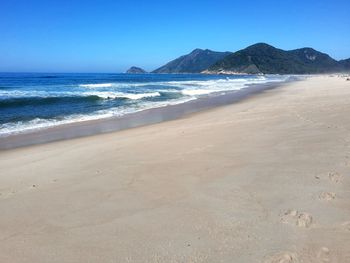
<point>265,179</point>
<point>132,120</point>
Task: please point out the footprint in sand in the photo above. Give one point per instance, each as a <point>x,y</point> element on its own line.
<point>284,257</point>
<point>327,196</point>
<point>346,225</point>
<point>293,217</point>
<point>323,255</point>
<point>334,177</point>
<point>318,255</point>
<point>8,194</point>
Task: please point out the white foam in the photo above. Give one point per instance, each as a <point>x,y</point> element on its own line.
<point>8,129</point>
<point>99,85</point>
<point>116,89</point>
<point>14,94</point>
<point>178,84</point>
<point>196,92</point>
<point>114,95</point>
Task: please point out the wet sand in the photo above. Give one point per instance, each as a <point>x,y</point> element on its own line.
<point>265,179</point>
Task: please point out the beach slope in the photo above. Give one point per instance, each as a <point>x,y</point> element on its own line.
<point>262,180</point>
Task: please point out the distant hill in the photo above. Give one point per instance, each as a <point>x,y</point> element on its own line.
<point>345,63</point>
<point>194,62</point>
<point>135,70</point>
<point>263,58</point>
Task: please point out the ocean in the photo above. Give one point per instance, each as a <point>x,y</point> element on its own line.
<point>30,101</point>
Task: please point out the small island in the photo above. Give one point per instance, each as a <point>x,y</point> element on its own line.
<point>135,70</point>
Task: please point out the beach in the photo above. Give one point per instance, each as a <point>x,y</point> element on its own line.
<point>264,179</point>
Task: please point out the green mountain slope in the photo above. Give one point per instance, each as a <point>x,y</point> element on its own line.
<point>195,62</point>
<point>263,58</point>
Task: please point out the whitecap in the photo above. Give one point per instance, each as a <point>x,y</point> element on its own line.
<point>99,85</point>
<point>114,95</point>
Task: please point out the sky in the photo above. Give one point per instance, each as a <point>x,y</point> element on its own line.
<point>111,36</point>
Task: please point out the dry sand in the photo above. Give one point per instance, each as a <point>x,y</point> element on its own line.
<point>263,180</point>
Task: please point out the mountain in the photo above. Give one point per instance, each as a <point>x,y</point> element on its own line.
<point>345,64</point>
<point>266,59</point>
<point>135,70</point>
<point>194,62</point>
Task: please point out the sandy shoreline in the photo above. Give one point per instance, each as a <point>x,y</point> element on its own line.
<point>132,120</point>
<point>263,180</point>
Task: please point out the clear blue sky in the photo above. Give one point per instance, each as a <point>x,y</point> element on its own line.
<point>110,36</point>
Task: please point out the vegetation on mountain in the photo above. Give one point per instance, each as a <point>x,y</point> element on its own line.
<point>194,62</point>
<point>266,59</point>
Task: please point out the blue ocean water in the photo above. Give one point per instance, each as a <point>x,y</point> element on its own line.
<point>32,100</point>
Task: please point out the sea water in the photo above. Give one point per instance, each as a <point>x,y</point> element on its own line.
<point>30,101</point>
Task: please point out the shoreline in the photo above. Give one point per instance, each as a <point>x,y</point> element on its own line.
<point>132,120</point>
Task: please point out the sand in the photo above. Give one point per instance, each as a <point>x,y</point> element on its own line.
<point>266,179</point>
